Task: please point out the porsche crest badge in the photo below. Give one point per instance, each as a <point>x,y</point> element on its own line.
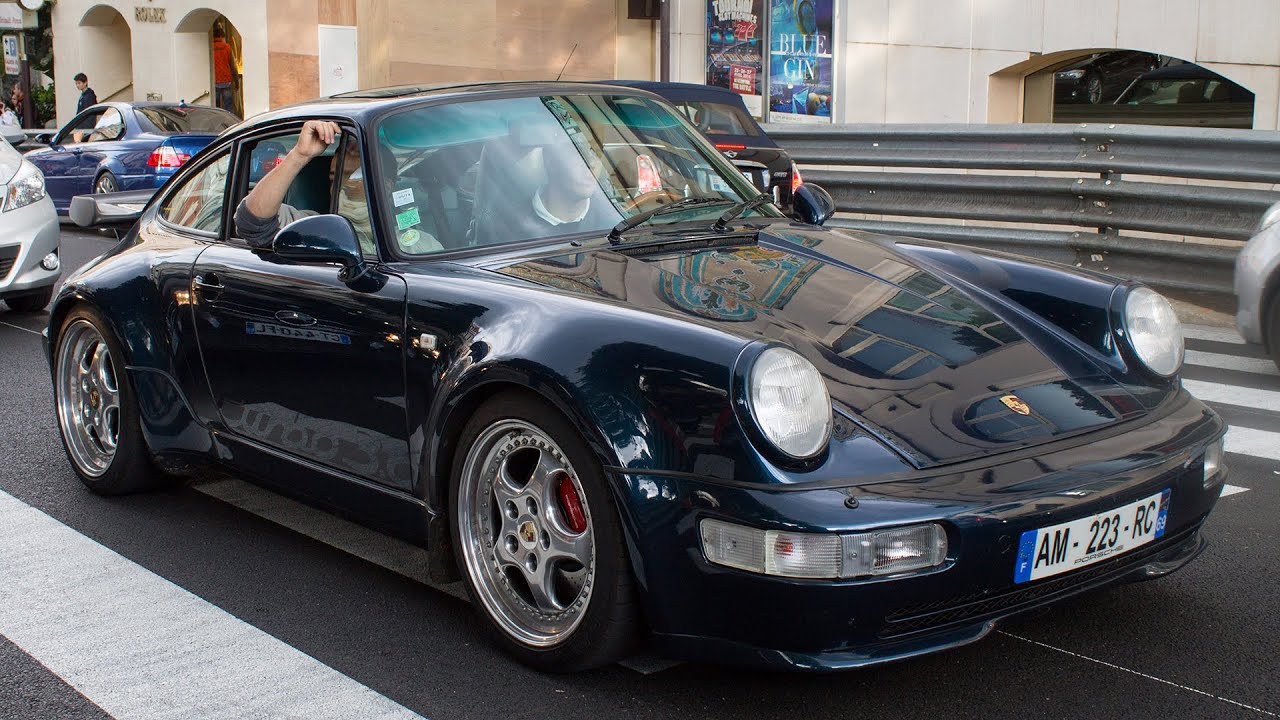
<point>1014,403</point>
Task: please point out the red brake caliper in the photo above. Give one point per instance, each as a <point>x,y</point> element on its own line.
<point>571,504</point>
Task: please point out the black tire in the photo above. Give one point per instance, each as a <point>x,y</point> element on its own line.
<point>106,183</point>
<point>34,302</point>
<point>608,623</point>
<point>127,467</point>
<point>1093,88</point>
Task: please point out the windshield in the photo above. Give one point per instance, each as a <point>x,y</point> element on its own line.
<point>187,119</point>
<point>489,172</point>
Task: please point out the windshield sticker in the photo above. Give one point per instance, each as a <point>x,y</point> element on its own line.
<point>297,333</point>
<point>718,184</point>
<point>402,197</point>
<point>408,219</point>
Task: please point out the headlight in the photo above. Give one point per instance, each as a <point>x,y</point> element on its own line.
<point>1154,331</point>
<point>26,187</point>
<point>823,555</point>
<point>1073,74</point>
<point>789,402</point>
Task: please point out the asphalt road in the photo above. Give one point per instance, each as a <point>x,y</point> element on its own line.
<point>255,606</point>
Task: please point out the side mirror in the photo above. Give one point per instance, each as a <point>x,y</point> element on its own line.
<point>43,138</point>
<point>109,210</point>
<point>13,135</point>
<point>322,239</point>
<point>813,204</point>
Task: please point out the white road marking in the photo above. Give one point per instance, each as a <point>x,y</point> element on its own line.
<point>1231,362</point>
<point>139,646</point>
<point>1228,490</point>
<point>1234,395</point>
<point>1214,334</point>
<point>1113,666</point>
<point>19,327</point>
<point>1258,443</point>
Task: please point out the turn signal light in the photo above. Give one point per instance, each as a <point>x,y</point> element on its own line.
<point>822,555</point>
<point>167,157</point>
<point>1214,470</point>
<point>796,180</point>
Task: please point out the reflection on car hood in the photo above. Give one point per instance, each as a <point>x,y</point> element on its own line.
<point>918,362</point>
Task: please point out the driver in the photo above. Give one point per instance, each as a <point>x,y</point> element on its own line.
<point>569,199</point>
<point>263,211</point>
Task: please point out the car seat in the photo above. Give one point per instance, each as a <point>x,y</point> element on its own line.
<point>1191,92</point>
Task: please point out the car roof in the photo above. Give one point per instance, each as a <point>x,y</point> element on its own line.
<point>683,91</point>
<point>364,105</point>
<point>1186,71</point>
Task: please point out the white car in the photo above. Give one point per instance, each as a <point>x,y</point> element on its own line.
<point>29,263</point>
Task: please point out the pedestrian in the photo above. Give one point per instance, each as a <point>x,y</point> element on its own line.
<point>16,100</point>
<point>8,117</point>
<point>223,72</point>
<point>88,98</point>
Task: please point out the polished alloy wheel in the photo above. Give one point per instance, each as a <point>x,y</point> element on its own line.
<point>88,398</point>
<point>105,184</point>
<point>526,533</point>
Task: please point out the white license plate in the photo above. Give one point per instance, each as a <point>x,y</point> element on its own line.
<point>1071,545</point>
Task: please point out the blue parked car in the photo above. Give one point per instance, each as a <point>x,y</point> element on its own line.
<point>552,334</point>
<point>124,146</point>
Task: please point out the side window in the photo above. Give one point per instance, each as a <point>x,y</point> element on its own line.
<point>109,126</point>
<point>197,203</point>
<point>79,129</point>
<point>310,191</point>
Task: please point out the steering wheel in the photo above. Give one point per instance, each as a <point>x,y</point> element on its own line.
<point>653,199</point>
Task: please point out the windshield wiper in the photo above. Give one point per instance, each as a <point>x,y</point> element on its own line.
<point>736,210</point>
<point>615,235</point>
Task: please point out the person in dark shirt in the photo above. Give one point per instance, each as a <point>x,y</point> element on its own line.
<point>88,98</point>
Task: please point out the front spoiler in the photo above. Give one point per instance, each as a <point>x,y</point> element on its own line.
<point>1170,558</point>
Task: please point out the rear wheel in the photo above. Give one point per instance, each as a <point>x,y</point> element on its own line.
<point>97,410</point>
<point>106,183</point>
<point>34,302</point>
<point>538,539</point>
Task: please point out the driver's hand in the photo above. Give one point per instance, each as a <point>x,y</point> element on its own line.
<point>316,136</point>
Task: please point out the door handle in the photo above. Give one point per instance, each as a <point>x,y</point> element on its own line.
<point>209,282</point>
<point>293,317</point>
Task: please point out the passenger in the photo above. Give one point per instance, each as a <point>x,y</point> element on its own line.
<point>569,199</point>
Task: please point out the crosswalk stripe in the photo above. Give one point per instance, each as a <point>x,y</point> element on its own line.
<point>1231,362</point>
<point>1215,334</point>
<point>139,646</point>
<point>1258,443</point>
<point>1233,395</point>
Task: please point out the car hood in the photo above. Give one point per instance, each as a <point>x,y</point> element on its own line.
<point>937,373</point>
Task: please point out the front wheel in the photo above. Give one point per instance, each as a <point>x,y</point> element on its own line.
<point>97,410</point>
<point>538,539</point>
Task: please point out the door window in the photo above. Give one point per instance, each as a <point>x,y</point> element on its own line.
<point>197,202</point>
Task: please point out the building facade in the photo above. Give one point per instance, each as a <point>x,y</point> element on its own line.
<point>889,60</point>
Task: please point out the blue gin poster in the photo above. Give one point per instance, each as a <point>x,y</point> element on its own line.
<point>800,60</point>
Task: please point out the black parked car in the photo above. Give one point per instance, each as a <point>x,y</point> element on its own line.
<point>550,333</point>
<point>1100,78</point>
<point>722,116</point>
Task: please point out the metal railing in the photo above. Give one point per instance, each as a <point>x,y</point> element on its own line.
<point>1095,185</point>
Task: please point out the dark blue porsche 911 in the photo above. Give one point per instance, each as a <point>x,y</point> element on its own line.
<point>548,332</point>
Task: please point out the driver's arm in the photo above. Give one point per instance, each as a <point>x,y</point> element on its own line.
<point>264,200</point>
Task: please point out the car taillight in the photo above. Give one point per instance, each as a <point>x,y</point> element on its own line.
<point>796,180</point>
<point>730,146</point>
<point>167,157</point>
